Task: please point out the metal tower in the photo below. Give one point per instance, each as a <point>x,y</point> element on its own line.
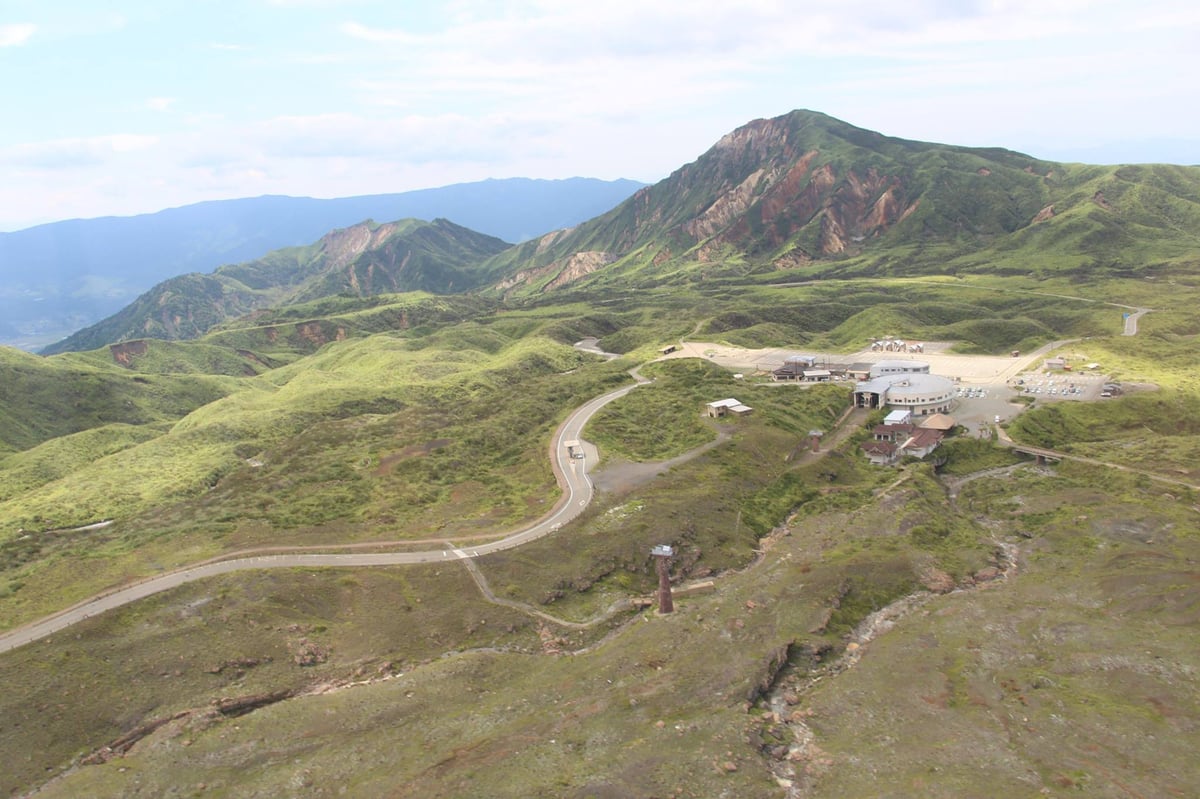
<point>662,554</point>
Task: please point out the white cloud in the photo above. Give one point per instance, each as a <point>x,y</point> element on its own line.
<point>63,154</point>
<point>14,35</point>
<point>359,31</point>
<point>389,97</point>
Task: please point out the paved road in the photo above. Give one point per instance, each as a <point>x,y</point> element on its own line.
<point>571,474</point>
<point>1131,321</point>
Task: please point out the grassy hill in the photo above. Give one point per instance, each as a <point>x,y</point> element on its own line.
<point>992,627</point>
<point>62,276</point>
<point>361,261</point>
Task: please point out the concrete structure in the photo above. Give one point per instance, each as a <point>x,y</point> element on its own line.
<point>721,407</point>
<point>794,367</point>
<point>891,344</point>
<point>859,370</point>
<point>922,394</point>
<point>898,367</point>
<point>898,416</point>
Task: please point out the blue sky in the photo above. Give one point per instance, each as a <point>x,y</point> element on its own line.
<point>127,106</point>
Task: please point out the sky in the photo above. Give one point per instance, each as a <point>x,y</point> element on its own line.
<point>131,106</point>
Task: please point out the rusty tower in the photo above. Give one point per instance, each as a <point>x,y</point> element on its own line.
<point>662,555</point>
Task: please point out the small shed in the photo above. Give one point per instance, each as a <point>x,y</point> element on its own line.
<point>726,406</point>
<point>900,416</point>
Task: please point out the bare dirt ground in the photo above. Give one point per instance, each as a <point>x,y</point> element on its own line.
<point>992,377</point>
<point>616,476</point>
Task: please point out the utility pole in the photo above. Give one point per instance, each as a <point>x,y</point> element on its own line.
<point>662,554</point>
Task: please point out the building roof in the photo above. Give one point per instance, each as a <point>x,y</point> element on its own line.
<point>889,429</point>
<point>903,383</point>
<point>878,447</point>
<point>939,421</point>
<point>733,405</point>
<point>922,437</point>
<point>903,364</point>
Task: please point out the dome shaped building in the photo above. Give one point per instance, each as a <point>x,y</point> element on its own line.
<point>916,391</point>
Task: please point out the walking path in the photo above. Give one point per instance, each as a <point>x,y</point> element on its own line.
<point>1005,440</point>
<point>570,473</point>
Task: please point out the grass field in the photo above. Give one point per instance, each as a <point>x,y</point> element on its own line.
<point>441,429</point>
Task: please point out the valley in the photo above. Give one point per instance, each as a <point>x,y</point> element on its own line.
<point>441,616</point>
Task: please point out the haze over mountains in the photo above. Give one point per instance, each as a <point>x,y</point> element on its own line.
<point>978,623</point>
<point>59,277</point>
<point>794,197</point>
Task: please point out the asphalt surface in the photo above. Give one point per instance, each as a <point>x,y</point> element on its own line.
<point>570,472</point>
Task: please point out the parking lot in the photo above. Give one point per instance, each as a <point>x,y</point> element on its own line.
<point>989,387</point>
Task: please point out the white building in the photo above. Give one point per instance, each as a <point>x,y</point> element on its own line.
<point>920,393</point>
<point>898,367</point>
<point>730,405</point>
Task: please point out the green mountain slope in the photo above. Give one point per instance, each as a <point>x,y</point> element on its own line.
<point>42,399</point>
<point>986,627</point>
<point>806,194</point>
<point>60,277</point>
<point>362,260</point>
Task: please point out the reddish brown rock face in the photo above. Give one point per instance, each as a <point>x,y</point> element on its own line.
<point>126,351</point>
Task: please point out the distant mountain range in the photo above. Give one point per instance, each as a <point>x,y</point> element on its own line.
<point>363,260</point>
<point>800,196</point>
<point>59,277</point>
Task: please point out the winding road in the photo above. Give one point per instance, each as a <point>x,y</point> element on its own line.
<point>570,473</point>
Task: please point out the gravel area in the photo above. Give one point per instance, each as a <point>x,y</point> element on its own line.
<point>990,384</point>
